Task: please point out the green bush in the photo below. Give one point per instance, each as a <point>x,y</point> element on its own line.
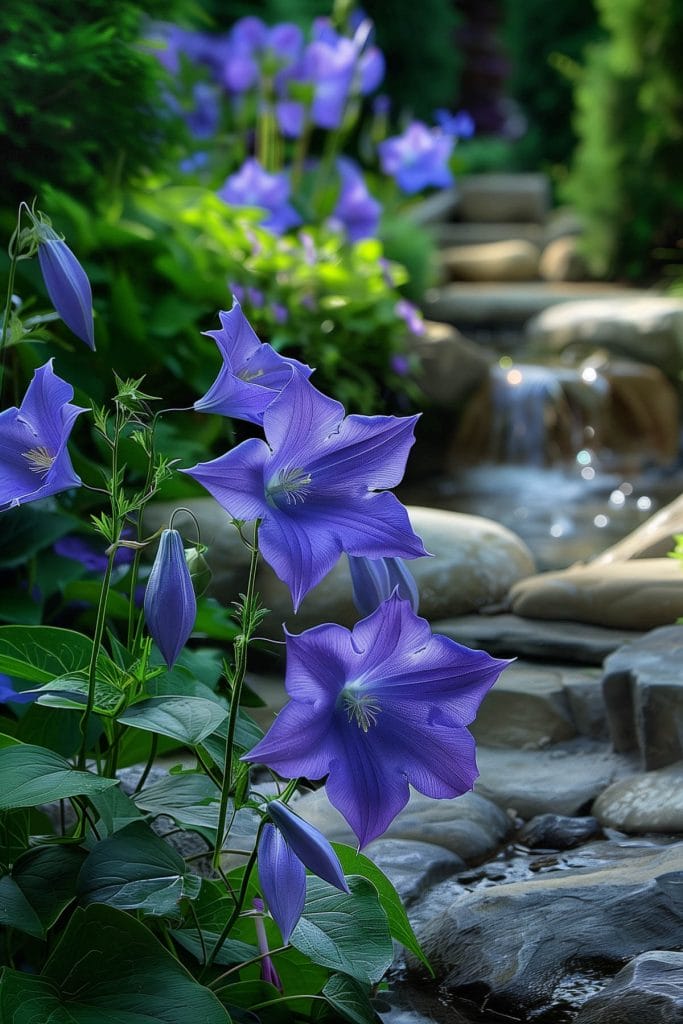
<point>626,178</point>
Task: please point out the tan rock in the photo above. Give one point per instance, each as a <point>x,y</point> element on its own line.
<point>639,594</point>
<point>562,260</point>
<point>653,539</point>
<point>490,198</point>
<point>453,233</point>
<point>648,802</point>
<point>513,260</point>
<point>451,366</point>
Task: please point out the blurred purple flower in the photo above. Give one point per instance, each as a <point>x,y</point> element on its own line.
<point>375,579</point>
<point>356,209</point>
<point>170,603</point>
<point>378,708</point>
<point>252,375</point>
<point>255,297</point>
<point>411,315</point>
<point>315,485</point>
<point>66,283</point>
<point>204,118</point>
<point>280,313</point>
<point>34,461</point>
<point>255,49</point>
<point>286,848</point>
<point>252,186</point>
<point>9,695</point>
<point>460,124</point>
<point>92,558</point>
<point>417,159</point>
<point>400,365</point>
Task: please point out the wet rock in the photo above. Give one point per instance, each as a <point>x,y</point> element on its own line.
<point>649,990</point>
<point>572,920</point>
<point>638,594</point>
<point>451,366</point>
<point>562,260</point>
<point>490,198</point>
<point>528,707</point>
<point>413,866</point>
<point>474,563</point>
<point>512,260</point>
<point>643,691</point>
<point>647,328</point>
<point>564,779</point>
<point>648,802</point>
<point>471,826</point>
<point>506,636</point>
<point>558,831</point>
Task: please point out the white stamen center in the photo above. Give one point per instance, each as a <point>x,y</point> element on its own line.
<point>362,708</point>
<point>290,484</point>
<point>39,460</point>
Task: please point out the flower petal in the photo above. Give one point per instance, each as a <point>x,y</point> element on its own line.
<point>68,286</point>
<point>236,479</point>
<point>282,878</point>
<point>309,845</point>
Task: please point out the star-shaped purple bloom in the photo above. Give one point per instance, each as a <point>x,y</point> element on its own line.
<point>253,373</point>
<point>356,209</point>
<point>418,158</point>
<point>377,708</point>
<point>252,186</point>
<point>34,461</point>
<point>314,485</point>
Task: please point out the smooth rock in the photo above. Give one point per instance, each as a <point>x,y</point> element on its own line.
<point>649,802</point>
<point>649,990</point>
<point>643,693</point>
<point>561,222</point>
<point>528,707</point>
<point>516,942</point>
<point>474,563</point>
<point>586,702</point>
<point>490,198</point>
<point>557,831</point>
<point>451,367</point>
<point>640,326</point>
<point>470,826</point>
<point>640,416</point>
<point>562,260</point>
<point>640,594</point>
<point>413,866</point>
<point>563,779</point>
<point>513,260</point>
<point>434,209</point>
<point>507,636</point>
<point>652,539</point>
<point>450,234</point>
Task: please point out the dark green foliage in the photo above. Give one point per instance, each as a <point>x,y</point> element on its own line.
<point>626,179</point>
<point>545,44</point>
<point>79,99</point>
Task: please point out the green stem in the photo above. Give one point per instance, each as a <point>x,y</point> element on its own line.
<point>7,313</point>
<point>92,670</point>
<point>241,646</point>
<point>241,896</point>
<point>150,762</point>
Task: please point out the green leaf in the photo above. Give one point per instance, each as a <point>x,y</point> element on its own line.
<point>136,870</point>
<point>354,863</point>
<point>351,999</point>
<point>108,969</point>
<point>20,608</point>
<point>16,911</point>
<point>33,775</point>
<point>42,653</point>
<point>190,798</point>
<point>115,810</point>
<point>213,620</point>
<point>188,719</point>
<point>47,877</point>
<point>346,932</point>
<point>247,735</point>
<point>89,591</point>
<point>14,836</point>
<point>72,693</point>
<point>27,530</point>
<point>244,995</point>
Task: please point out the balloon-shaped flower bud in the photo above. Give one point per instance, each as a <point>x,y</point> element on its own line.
<point>67,283</point>
<point>286,848</point>
<point>375,579</point>
<point>200,572</point>
<point>170,602</point>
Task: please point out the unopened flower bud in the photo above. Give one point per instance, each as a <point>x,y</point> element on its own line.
<point>200,573</point>
<point>170,603</point>
<point>67,283</point>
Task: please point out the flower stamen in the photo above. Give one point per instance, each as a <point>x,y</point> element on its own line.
<point>40,460</point>
<point>290,483</point>
<point>361,708</point>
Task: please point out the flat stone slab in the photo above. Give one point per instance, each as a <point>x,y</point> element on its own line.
<point>528,707</point>
<point>649,990</point>
<point>564,779</point>
<point>509,636</point>
<point>648,802</point>
<point>413,866</point>
<point>465,303</point>
<point>496,197</point>
<point>512,260</point>
<point>461,233</point>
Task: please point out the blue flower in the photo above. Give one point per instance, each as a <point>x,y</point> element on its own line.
<point>252,186</point>
<point>66,282</point>
<point>34,461</point>
<point>376,709</point>
<point>375,579</point>
<point>418,158</point>
<point>315,485</point>
<point>356,209</point>
<point>170,603</point>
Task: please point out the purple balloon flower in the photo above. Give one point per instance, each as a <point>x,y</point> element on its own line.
<point>375,579</point>
<point>356,209</point>
<point>378,708</point>
<point>34,461</point>
<point>460,124</point>
<point>314,485</point>
<point>411,315</point>
<point>66,283</point>
<point>253,373</point>
<point>170,602</point>
<point>286,848</point>
<point>418,158</point>
<point>252,186</point>
<point>9,695</point>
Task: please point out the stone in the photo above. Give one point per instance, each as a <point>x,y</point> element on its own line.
<point>461,233</point>
<point>518,942</point>
<point>528,707</point>
<point>586,702</point>
<point>643,692</point>
<point>490,198</point>
<point>562,260</point>
<point>641,414</point>
<point>506,636</point>
<point>476,302</point>
<point>413,866</point>
<point>639,594</point>
<point>649,990</point>
<point>434,209</point>
<point>512,260</point>
<point>557,831</point>
<point>561,222</point>
<point>648,802</point>
<point>470,826</point>
<point>451,367</point>
<point>652,539</point>
<point>475,562</point>
<point>640,326</point>
<point>562,779</point>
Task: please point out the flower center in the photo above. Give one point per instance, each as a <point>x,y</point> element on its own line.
<point>289,485</point>
<point>39,460</point>
<point>246,375</point>
<point>361,708</point>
